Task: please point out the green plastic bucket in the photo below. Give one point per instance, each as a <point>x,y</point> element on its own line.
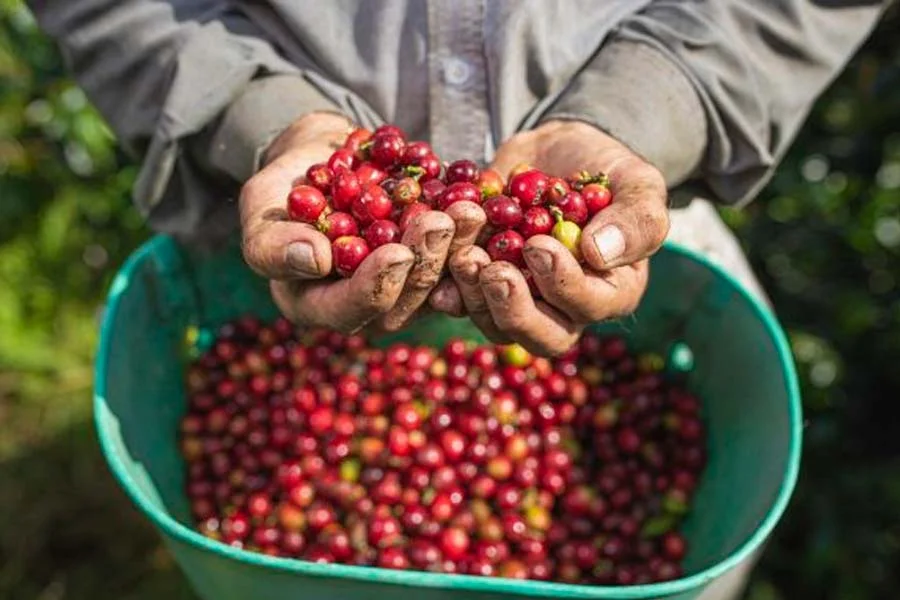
<point>743,371</point>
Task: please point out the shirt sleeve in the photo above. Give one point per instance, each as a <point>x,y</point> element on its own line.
<point>716,89</point>
<point>181,83</point>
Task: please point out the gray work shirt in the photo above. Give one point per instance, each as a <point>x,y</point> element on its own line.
<point>711,91</point>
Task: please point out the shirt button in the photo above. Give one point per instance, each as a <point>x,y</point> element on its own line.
<point>456,71</point>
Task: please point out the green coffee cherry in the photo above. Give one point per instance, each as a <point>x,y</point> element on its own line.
<point>568,234</point>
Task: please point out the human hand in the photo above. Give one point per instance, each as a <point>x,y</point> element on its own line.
<point>389,286</point>
<point>615,245</point>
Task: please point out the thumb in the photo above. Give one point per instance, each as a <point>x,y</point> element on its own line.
<point>274,246</point>
<point>635,225</point>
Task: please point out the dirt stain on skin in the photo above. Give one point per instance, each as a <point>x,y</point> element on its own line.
<point>384,280</point>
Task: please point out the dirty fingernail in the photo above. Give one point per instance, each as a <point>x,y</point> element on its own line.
<point>540,261</point>
<point>436,240</point>
<point>400,267</point>
<point>610,243</point>
<point>301,258</point>
<point>498,291</point>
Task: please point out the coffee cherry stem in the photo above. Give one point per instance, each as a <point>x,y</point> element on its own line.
<point>557,214</point>
<point>584,178</point>
<point>414,171</point>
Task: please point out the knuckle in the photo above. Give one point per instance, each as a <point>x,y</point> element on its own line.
<point>563,292</point>
<point>476,305</point>
<point>557,348</point>
<point>284,303</point>
<point>250,191</point>
<point>392,325</point>
<point>594,313</point>
<point>251,248</point>
<point>375,303</point>
<point>557,345</point>
<point>628,307</point>
<point>422,281</point>
<point>511,323</point>
<point>653,178</point>
<point>653,222</point>
<point>250,187</point>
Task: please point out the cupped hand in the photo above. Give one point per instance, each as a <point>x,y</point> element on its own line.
<point>615,245</point>
<point>389,286</point>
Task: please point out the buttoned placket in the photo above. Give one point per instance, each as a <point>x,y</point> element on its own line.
<point>458,92</point>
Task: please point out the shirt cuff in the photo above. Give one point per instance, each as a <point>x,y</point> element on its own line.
<point>635,93</point>
<point>234,145</point>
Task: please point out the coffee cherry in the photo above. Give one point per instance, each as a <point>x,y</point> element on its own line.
<point>596,197</point>
<point>459,192</point>
<point>357,138</point>
<point>431,191</point>
<point>306,203</point>
<point>569,235</point>
<point>503,212</point>
<point>506,246</point>
<point>386,149</point>
<point>320,176</point>
<point>454,543</point>
<point>573,208</point>
<point>337,224</point>
<point>491,183</point>
<point>528,187</point>
<point>342,160</point>
<point>430,167</point>
<point>557,188</point>
<point>416,151</point>
<point>462,171</point>
<point>373,204</point>
<point>536,221</point>
<point>345,189</point>
<point>348,252</point>
<point>370,174</point>
<point>382,232</point>
<point>674,546</point>
<point>410,213</point>
<point>407,191</point>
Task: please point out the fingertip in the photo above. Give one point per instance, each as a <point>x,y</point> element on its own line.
<point>504,287</point>
<point>436,219</point>
<point>467,214</point>
<point>287,250</point>
<point>432,231</point>
<point>309,255</point>
<point>603,245</point>
<point>542,242</point>
<point>379,280</point>
<point>500,271</point>
<point>432,220</point>
<point>387,257</point>
<point>466,264</point>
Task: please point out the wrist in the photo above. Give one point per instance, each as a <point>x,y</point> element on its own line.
<point>319,125</point>
<point>564,128</point>
<point>641,97</point>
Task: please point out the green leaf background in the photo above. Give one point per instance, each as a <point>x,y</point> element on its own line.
<point>824,237</point>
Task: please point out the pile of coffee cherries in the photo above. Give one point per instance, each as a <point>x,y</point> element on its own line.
<point>475,459</point>
<point>371,189</point>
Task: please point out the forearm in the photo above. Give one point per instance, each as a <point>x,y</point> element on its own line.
<point>717,89</point>
<point>190,89</point>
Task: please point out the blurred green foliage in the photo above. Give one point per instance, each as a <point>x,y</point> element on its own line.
<point>824,238</point>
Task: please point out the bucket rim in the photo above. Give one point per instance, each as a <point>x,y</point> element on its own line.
<point>175,530</point>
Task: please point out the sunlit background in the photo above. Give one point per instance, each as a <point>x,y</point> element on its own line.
<point>825,238</point>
